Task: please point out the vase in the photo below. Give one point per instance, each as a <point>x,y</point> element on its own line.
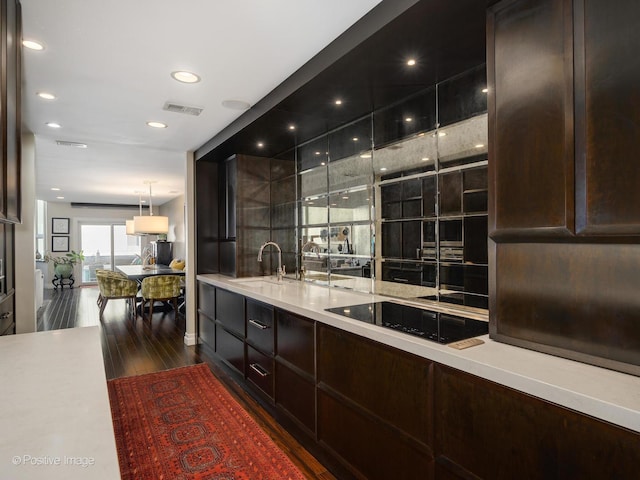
<point>63,270</point>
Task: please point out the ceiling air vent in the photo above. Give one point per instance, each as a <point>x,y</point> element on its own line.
<point>64,143</point>
<point>177,108</point>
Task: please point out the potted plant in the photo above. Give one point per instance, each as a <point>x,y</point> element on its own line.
<point>63,264</point>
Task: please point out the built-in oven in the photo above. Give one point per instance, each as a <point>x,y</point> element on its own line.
<point>450,238</point>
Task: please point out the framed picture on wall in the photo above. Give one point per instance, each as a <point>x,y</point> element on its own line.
<point>60,226</point>
<point>59,244</point>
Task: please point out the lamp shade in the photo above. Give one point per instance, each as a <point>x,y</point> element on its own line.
<point>130,230</point>
<point>151,224</point>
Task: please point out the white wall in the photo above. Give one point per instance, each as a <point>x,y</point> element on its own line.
<point>25,243</point>
<point>78,216</point>
<point>175,210</point>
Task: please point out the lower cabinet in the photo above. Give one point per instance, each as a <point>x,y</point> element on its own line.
<point>373,406</point>
<point>372,411</point>
<point>485,430</point>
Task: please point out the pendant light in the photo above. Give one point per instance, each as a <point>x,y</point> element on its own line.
<point>150,225</point>
<point>129,224</point>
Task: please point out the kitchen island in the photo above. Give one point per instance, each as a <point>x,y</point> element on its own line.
<point>507,401</point>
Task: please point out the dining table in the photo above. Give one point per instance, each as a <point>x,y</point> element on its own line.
<point>139,272</point>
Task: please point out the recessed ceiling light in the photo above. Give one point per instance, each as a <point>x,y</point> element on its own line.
<point>322,163</point>
<point>310,203</point>
<point>480,145</point>
<point>292,127</point>
<point>260,144</point>
<point>411,62</point>
<point>383,169</point>
<point>345,198</point>
<point>60,198</point>
<point>355,139</point>
<point>421,134</point>
<point>365,155</point>
<point>53,125</point>
<point>157,124</point>
<point>338,102</point>
<point>236,104</point>
<point>317,153</point>
<point>46,95</point>
<point>425,159</point>
<point>32,45</point>
<point>55,189</point>
<point>334,204</point>
<point>485,90</point>
<point>185,77</point>
<point>408,119</point>
<point>442,134</point>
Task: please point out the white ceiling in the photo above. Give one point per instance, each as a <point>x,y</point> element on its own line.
<point>109,64</point>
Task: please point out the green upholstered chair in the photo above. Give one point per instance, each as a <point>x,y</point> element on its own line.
<point>162,288</point>
<point>114,285</point>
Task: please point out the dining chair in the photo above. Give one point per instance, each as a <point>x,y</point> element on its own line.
<point>114,285</point>
<point>160,288</point>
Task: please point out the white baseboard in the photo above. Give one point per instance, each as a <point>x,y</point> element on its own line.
<point>190,339</point>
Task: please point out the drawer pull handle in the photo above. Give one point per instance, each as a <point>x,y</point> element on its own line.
<point>5,315</point>
<point>259,370</point>
<point>398,279</point>
<point>258,324</point>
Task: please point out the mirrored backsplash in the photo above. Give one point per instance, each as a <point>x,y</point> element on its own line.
<point>396,202</point>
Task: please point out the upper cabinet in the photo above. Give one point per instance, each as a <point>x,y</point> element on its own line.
<point>531,116</point>
<point>10,120</point>
<point>607,125</point>
<point>563,174</point>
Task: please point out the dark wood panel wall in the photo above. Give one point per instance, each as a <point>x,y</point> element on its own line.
<point>10,146</point>
<point>564,219</point>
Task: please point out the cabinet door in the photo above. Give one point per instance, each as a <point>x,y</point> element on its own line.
<point>230,348</point>
<point>607,117</point>
<point>12,82</point>
<point>530,72</point>
<point>296,395</point>
<point>206,330</point>
<point>429,196</point>
<point>207,299</point>
<point>296,341</point>
<point>498,433</point>
<point>403,402</point>
<point>230,311</point>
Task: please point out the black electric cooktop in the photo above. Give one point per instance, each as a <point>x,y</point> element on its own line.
<point>428,324</point>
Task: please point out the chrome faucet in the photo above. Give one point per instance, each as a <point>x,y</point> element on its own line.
<point>281,270</point>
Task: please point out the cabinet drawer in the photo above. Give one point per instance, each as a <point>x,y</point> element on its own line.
<point>260,370</point>
<point>296,341</point>
<point>206,330</point>
<point>230,311</point>
<point>260,325</point>
<point>230,348</point>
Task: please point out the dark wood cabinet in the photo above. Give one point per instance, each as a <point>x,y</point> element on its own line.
<point>484,430</point>
<point>206,314</point>
<point>377,412</point>
<point>607,117</point>
<point>10,110</point>
<point>230,311</point>
<point>450,193</point>
<point>296,341</point>
<point>371,379</point>
<point>563,218</point>
<point>230,348</point>
<point>530,74</point>
<point>7,316</point>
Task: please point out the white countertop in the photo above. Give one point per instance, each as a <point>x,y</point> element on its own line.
<point>55,418</point>
<point>604,394</point>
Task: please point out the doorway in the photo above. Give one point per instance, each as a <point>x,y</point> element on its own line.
<point>105,246</point>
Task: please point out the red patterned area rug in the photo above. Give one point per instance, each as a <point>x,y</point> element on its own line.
<point>182,424</point>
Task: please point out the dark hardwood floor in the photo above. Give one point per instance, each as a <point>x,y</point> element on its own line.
<point>137,346</point>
